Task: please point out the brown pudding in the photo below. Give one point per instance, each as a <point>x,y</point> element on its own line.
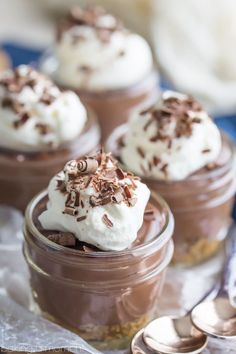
<point>114,107</point>
<point>105,296</point>
<point>201,204</point>
<point>22,175</point>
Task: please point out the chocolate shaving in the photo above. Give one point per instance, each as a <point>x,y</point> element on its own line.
<point>23,119</point>
<point>173,109</point>
<point>127,192</point>
<point>87,166</point>
<point>86,69</point>
<point>77,199</point>
<point>118,197</point>
<point>149,215</point>
<point>81,218</point>
<point>205,151</point>
<point>70,211</point>
<point>120,174</point>
<point>196,120</point>
<point>107,221</point>
<point>169,144</point>
<point>156,160</point>
<point>43,128</point>
<point>66,239</point>
<point>140,152</point>
<point>132,201</point>
<point>7,102</point>
<point>164,167</point>
<point>47,99</point>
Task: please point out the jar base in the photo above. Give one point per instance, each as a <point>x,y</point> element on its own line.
<point>113,337</point>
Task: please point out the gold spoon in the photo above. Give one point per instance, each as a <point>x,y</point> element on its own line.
<point>217,318</point>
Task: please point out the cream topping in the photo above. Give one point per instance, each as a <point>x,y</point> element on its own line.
<point>95,52</point>
<point>35,114</point>
<point>170,140</point>
<point>97,202</point>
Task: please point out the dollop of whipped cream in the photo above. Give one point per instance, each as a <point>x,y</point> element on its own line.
<point>170,140</point>
<point>94,51</point>
<point>97,202</point>
<point>35,114</point>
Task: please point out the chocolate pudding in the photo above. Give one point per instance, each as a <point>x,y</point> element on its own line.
<point>38,133</point>
<point>201,201</point>
<point>90,275</point>
<point>108,66</point>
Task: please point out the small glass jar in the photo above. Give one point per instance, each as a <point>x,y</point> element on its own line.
<point>22,175</point>
<point>201,204</point>
<point>113,107</point>
<point>105,297</point>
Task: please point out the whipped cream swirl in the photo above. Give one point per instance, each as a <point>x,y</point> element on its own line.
<point>35,114</point>
<point>170,140</point>
<point>95,52</point>
<point>97,202</point>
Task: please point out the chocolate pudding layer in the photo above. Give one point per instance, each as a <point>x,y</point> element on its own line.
<point>202,203</point>
<point>114,107</point>
<point>110,67</point>
<point>24,174</point>
<point>103,295</point>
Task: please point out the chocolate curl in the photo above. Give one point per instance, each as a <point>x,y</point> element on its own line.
<point>71,169</point>
<point>70,211</point>
<point>132,201</point>
<point>63,238</point>
<point>87,166</point>
<point>70,200</point>
<point>107,221</point>
<point>117,197</point>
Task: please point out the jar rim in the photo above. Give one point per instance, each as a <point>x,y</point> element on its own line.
<point>121,130</point>
<point>162,237</point>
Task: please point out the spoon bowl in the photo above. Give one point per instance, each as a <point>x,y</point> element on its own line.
<point>173,335</point>
<point>138,346</point>
<point>216,318</point>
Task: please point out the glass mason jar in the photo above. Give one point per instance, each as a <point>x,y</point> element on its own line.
<point>22,175</point>
<point>201,204</point>
<point>112,107</point>
<point>105,297</point>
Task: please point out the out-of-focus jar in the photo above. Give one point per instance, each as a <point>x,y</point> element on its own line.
<point>113,107</point>
<point>201,204</point>
<point>103,296</point>
<point>22,175</point>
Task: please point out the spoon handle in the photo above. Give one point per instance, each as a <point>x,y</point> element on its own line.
<point>228,285</point>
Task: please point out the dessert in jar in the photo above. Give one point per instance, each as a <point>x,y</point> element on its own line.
<point>181,153</point>
<point>110,67</point>
<point>97,246</point>
<point>41,127</point>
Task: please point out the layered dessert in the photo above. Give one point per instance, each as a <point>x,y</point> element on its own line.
<point>97,246</point>
<point>181,153</point>
<point>110,67</point>
<point>41,127</point>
